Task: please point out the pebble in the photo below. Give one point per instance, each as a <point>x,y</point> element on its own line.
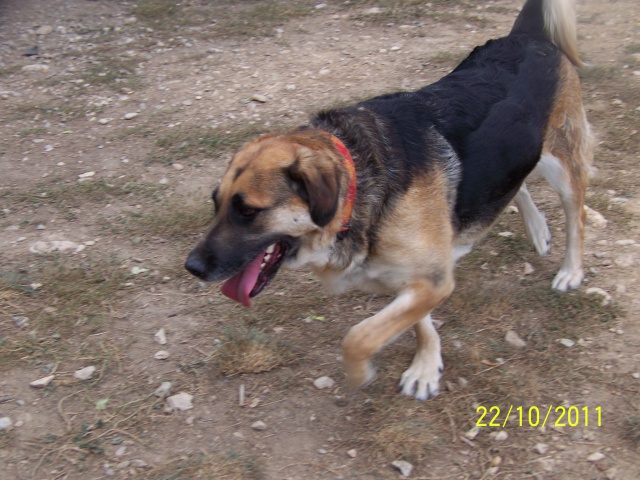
<point>256,97</point>
<point>625,261</point>
<point>506,234</point>
<point>353,453</point>
<point>84,373</point>
<point>130,115</point>
<point>160,337</point>
<point>104,121</point>
<point>472,433</point>
<point>541,448</point>
<point>161,355</point>
<point>403,467</point>
<point>501,436</point>
<point>596,457</point>
<point>496,461</point>
<point>121,451</point>
<point>44,30</point>
<point>372,11</point>
<point>138,463</point>
<point>636,375</point>
<point>606,298</point>
<point>21,322</point>
<point>259,425</point>
<point>566,342</point>
<point>595,218</point>
<point>463,382</point>
<point>42,382</point>
<point>323,383</point>
<point>181,401</point>
<point>123,465</point>
<point>322,451</point>
<point>514,340</point>
<point>6,423</point>
<point>528,268</point>
<point>36,68</point>
<point>55,246</point>
<point>177,166</point>
<point>87,175</point>
<point>625,242</point>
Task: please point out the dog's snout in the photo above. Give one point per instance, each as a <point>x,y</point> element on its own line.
<point>195,264</point>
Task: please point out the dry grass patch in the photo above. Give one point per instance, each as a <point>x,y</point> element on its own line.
<point>209,467</point>
<point>247,350</point>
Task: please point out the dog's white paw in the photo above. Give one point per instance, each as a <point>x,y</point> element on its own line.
<point>422,378</point>
<point>538,233</point>
<point>568,279</point>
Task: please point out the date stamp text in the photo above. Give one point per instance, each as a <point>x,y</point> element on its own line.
<point>552,416</point>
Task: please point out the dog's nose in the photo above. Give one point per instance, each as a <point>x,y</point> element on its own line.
<point>195,264</point>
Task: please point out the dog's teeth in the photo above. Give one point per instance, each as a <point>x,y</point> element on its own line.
<point>270,249</point>
<point>267,257</point>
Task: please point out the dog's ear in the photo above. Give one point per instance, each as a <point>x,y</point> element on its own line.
<point>316,179</point>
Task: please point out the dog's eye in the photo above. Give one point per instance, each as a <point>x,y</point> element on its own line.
<point>247,212</point>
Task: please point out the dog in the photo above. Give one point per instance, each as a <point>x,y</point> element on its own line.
<point>387,194</point>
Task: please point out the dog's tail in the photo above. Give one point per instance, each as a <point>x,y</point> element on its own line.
<point>554,18</point>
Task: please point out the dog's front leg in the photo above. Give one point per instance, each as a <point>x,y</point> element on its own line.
<point>366,338</point>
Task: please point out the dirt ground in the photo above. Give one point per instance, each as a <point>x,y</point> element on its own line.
<point>117,117</point>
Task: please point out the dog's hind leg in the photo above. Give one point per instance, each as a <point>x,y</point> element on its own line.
<point>572,198</point>
<point>534,220</point>
<point>423,376</point>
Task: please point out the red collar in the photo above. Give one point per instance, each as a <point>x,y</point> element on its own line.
<point>351,193</point>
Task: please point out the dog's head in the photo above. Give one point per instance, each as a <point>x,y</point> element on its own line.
<point>277,191</point>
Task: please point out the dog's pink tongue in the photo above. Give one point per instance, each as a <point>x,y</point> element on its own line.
<point>239,286</point>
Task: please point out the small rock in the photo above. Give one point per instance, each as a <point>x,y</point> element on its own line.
<point>87,175</point>
<point>21,322</point>
<point>130,115</point>
<point>596,457</point>
<point>322,451</point>
<point>636,375</point>
<point>104,121</point>
<point>501,436</point>
<point>160,337</point>
<point>625,261</point>
<point>84,373</point>
<point>44,30</point>
<point>496,461</point>
<point>259,425</point>
<point>182,401</point>
<point>40,248</point>
<point>463,382</point>
<point>138,463</point>
<point>403,467</point>
<point>121,451</point>
<point>123,465</point>
<point>472,433</point>
<point>36,68</point>
<point>541,448</point>
<point>177,166</point>
<point>353,453</point>
<point>130,20</point>
<point>514,340</point>
<point>5,424</point>
<point>566,342</point>
<point>256,97</point>
<point>625,242</point>
<point>372,11</point>
<point>161,355</point>
<point>42,382</point>
<point>606,298</point>
<point>163,390</point>
<point>323,383</point>
<point>595,218</point>
<point>506,234</point>
<point>528,268</point>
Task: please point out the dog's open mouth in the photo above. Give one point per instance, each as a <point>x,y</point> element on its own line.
<point>255,276</point>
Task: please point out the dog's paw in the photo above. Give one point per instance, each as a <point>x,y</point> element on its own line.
<point>568,279</point>
<point>539,234</point>
<point>422,378</point>
<point>359,375</point>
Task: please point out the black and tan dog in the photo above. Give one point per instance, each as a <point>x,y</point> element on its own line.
<point>389,193</point>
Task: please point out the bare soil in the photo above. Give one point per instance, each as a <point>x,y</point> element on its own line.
<point>115,144</point>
